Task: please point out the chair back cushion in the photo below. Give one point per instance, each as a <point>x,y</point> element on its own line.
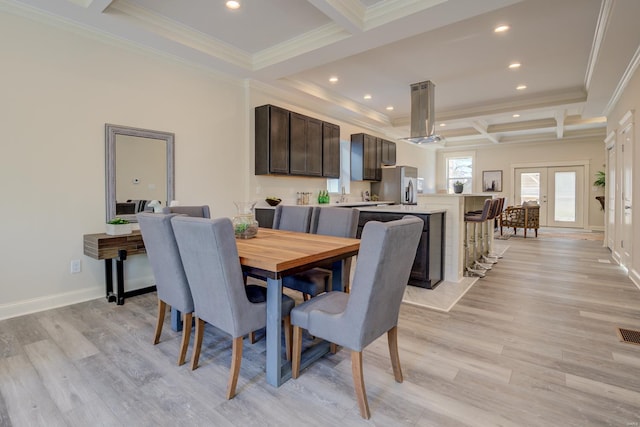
<point>194,211</point>
<point>387,252</point>
<point>332,221</point>
<point>293,218</point>
<point>210,258</point>
<point>164,257</point>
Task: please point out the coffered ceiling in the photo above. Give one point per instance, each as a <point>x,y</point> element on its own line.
<point>575,56</point>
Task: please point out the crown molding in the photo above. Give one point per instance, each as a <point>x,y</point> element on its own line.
<point>601,28</point>
<point>391,10</point>
<point>349,14</point>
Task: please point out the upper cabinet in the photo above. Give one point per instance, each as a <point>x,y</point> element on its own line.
<point>368,154</point>
<point>330,150</point>
<point>290,143</point>
<point>272,140</point>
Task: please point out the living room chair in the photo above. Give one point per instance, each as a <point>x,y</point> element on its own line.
<point>171,281</point>
<point>193,211</point>
<point>357,319</point>
<point>329,221</point>
<point>210,258</point>
<point>293,218</point>
<point>526,216</point>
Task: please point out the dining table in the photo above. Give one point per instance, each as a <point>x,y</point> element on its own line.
<point>275,254</point>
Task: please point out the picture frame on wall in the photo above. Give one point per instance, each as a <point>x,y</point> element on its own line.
<point>492,181</point>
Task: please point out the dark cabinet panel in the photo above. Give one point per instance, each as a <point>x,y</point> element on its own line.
<point>330,150</point>
<point>314,147</point>
<point>388,153</point>
<point>271,140</point>
<point>428,266</point>
<point>306,145</point>
<point>264,216</point>
<point>365,158</point>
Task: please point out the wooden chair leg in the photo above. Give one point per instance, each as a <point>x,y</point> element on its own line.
<point>187,321</point>
<point>358,382</point>
<point>296,351</point>
<point>236,361</point>
<point>392,338</point>
<point>252,337</point>
<point>333,348</point>
<point>287,336</point>
<point>197,343</point>
<point>162,308</point>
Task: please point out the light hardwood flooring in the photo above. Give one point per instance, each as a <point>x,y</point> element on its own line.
<point>532,344</point>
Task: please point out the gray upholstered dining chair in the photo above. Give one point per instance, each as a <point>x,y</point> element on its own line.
<point>171,281</point>
<point>210,258</point>
<point>330,221</point>
<point>193,211</point>
<point>355,320</point>
<point>293,218</point>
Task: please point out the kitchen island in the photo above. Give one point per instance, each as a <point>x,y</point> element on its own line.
<point>428,266</point>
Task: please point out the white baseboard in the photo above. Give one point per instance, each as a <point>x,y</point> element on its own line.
<point>21,308</point>
<point>635,277</point>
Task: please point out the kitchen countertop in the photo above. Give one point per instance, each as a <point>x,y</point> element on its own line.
<point>333,204</point>
<point>408,209</point>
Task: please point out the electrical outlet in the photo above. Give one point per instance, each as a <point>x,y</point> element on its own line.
<point>76,266</point>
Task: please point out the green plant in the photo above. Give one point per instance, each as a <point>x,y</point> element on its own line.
<point>600,179</point>
<point>118,221</point>
<point>458,183</point>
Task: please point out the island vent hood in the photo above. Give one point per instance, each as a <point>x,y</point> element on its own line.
<point>423,123</point>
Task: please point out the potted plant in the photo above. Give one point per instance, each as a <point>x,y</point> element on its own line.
<point>600,182</point>
<point>458,187</point>
<point>118,226</point>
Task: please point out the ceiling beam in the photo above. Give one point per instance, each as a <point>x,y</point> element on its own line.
<point>99,5</point>
<point>348,14</point>
<point>482,127</point>
<point>560,116</point>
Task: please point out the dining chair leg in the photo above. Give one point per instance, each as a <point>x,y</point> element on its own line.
<point>187,321</point>
<point>252,337</point>
<point>197,343</point>
<point>333,348</point>
<point>162,308</point>
<point>287,337</point>
<point>392,338</point>
<point>358,382</point>
<point>296,351</point>
<point>236,361</point>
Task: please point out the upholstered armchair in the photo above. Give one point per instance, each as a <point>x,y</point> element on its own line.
<point>525,217</point>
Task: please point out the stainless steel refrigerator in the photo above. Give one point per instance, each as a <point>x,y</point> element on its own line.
<point>398,184</point>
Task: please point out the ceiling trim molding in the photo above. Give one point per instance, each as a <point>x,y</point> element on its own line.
<point>318,38</point>
<point>349,14</point>
<point>624,81</point>
<point>604,18</point>
<point>391,10</point>
<point>172,30</point>
<point>482,127</point>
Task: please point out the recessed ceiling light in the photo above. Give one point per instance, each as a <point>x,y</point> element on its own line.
<point>390,108</point>
<point>443,124</point>
<point>333,79</point>
<point>521,87</point>
<point>367,96</point>
<point>231,4</point>
<point>515,116</point>
<point>501,29</point>
<point>514,65</point>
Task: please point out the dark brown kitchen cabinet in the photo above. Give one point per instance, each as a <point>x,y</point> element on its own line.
<point>330,150</point>
<point>271,140</point>
<point>305,141</point>
<point>428,266</point>
<point>365,158</point>
<point>388,154</point>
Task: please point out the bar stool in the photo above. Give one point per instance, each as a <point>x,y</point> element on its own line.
<point>489,256</point>
<point>473,219</point>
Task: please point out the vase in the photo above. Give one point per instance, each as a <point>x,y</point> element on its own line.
<point>458,188</point>
<point>244,223</point>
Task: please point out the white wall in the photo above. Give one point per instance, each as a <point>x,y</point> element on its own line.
<point>503,157</point>
<point>59,87</point>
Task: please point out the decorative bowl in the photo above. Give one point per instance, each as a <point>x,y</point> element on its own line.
<point>273,202</point>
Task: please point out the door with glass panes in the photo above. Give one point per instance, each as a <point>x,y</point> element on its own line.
<point>558,191</point>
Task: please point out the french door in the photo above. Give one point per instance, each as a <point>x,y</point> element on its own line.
<point>558,190</point>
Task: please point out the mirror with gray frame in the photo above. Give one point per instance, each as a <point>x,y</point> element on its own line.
<point>140,169</point>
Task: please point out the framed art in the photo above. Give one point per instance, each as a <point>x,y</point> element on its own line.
<point>492,180</point>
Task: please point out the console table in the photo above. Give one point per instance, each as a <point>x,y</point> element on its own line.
<point>107,247</point>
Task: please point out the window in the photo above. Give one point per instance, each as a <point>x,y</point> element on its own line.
<point>460,169</point>
<point>336,185</point>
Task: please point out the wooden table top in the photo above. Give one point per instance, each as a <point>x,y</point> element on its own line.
<point>285,252</point>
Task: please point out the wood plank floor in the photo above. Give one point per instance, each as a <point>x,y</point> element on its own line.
<point>532,344</point>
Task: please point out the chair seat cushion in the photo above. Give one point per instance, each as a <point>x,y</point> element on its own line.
<point>257,294</point>
<point>329,303</point>
<point>311,282</point>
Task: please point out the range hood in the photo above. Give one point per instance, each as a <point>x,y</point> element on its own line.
<point>423,123</point>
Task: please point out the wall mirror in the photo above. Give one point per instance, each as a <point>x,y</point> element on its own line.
<point>140,169</point>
